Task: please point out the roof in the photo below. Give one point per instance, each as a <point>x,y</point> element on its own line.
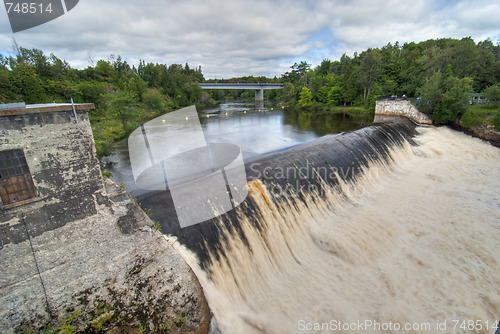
<point>21,108</point>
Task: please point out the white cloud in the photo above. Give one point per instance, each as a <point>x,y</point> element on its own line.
<point>241,37</point>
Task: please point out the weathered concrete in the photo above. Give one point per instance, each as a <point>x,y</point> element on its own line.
<point>84,254</point>
<point>259,95</point>
<point>401,108</point>
<point>63,163</point>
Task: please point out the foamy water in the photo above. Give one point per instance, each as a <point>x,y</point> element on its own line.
<point>413,243</point>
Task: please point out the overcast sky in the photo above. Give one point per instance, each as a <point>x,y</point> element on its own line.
<point>248,37</point>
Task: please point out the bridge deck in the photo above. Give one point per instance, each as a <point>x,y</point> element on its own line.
<point>254,86</point>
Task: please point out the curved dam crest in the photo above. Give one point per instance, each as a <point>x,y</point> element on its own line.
<point>303,170</point>
<point>390,223</point>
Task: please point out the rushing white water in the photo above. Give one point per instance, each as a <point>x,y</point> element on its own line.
<point>412,243</point>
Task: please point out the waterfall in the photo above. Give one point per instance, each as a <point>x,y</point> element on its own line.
<point>391,228</point>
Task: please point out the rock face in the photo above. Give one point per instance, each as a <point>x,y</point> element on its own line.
<point>401,108</point>
<point>93,276</point>
<point>81,255</point>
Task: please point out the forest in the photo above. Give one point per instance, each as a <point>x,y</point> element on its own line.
<point>443,73</point>
<point>124,95</point>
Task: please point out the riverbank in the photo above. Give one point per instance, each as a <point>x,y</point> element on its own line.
<point>485,132</point>
<point>481,121</point>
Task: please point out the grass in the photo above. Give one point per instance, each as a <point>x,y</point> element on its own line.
<point>481,115</point>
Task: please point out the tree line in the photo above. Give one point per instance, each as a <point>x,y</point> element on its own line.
<point>441,72</point>
<point>124,95</point>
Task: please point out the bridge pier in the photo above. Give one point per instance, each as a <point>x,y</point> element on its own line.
<point>256,86</point>
<point>259,95</point>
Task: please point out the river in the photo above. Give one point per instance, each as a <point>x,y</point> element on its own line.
<point>255,131</point>
<point>407,244</point>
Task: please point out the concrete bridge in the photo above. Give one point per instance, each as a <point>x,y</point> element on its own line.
<point>257,87</point>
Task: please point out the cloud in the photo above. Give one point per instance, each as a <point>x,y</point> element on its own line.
<point>242,37</point>
<point>361,24</point>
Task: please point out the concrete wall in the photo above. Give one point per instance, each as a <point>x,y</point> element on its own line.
<point>401,108</point>
<point>62,160</point>
<point>84,250</point>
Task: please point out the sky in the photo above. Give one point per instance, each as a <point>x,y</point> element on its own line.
<point>231,38</point>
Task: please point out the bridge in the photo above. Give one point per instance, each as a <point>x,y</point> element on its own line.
<point>257,87</point>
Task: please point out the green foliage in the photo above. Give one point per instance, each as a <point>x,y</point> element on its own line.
<point>445,98</point>
<point>454,100</point>
<point>179,322</point>
<point>107,174</point>
<point>470,119</point>
<point>165,327</point>
<point>492,93</point>
<point>67,327</point>
<point>305,99</point>
<point>121,105</point>
<point>99,324</point>
<point>91,91</point>
<point>478,115</point>
<point>123,95</point>
<point>157,225</point>
<point>441,72</point>
<point>430,93</point>
<point>496,120</point>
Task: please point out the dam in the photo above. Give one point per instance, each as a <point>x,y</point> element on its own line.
<point>385,227</point>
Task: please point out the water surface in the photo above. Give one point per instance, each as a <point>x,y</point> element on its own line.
<point>255,131</point>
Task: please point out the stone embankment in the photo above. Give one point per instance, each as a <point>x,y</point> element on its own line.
<point>404,108</point>
<point>111,272</point>
<point>401,108</point>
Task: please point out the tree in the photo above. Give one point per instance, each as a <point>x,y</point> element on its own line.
<point>492,93</point>
<point>91,91</point>
<point>349,90</point>
<point>430,93</point>
<point>454,101</point>
<point>370,71</point>
<point>334,94</point>
<point>104,69</point>
<point>445,98</point>
<point>121,105</point>
<point>288,91</point>
<point>305,99</point>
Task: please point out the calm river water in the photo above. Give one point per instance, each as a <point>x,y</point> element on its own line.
<point>255,131</point>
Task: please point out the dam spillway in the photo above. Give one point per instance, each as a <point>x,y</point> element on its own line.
<point>313,168</point>
<point>392,223</point>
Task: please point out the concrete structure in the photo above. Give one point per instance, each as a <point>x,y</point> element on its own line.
<point>74,246</point>
<point>404,108</point>
<point>258,87</point>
